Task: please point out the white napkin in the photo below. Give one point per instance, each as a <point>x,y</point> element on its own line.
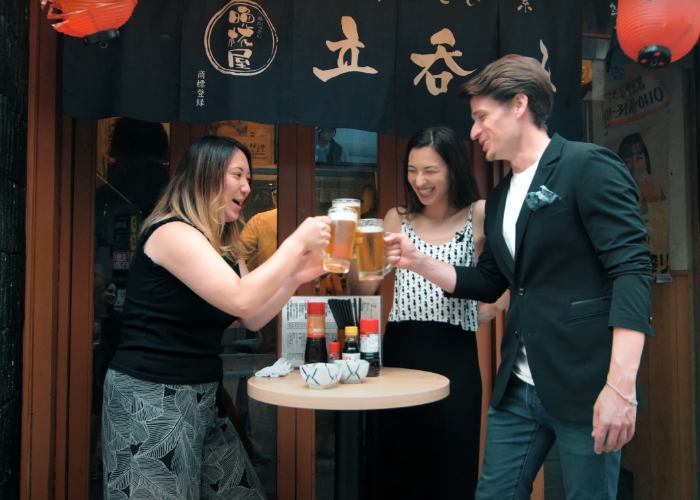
<point>281,368</point>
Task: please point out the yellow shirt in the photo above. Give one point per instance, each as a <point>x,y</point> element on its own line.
<point>260,237</point>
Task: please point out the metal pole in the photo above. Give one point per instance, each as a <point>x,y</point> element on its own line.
<point>348,455</point>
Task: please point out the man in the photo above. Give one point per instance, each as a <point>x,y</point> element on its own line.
<point>327,149</point>
<point>260,239</point>
<point>565,234</point>
<point>260,236</point>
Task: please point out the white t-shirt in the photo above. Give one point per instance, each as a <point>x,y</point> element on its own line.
<point>519,186</point>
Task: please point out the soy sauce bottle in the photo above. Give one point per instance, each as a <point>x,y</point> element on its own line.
<point>316,350</point>
<point>352,346</point>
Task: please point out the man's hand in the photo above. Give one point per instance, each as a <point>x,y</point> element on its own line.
<point>615,418</point>
<point>401,252</point>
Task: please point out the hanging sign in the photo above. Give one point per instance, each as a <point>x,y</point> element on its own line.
<point>344,55</point>
<point>134,75</point>
<point>550,32</point>
<point>236,61</point>
<point>440,46</point>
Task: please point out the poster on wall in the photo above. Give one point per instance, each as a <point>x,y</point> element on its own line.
<point>550,32</point>
<point>259,138</point>
<point>344,54</point>
<point>236,61</point>
<point>440,46</point>
<point>638,131</point>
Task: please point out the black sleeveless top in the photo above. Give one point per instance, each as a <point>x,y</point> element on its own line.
<point>169,334</point>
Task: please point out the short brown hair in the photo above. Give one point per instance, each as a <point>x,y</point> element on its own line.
<point>510,75</point>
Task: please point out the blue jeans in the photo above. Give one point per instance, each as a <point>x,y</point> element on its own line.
<point>519,435</point>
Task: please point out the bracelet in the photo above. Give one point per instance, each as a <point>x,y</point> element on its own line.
<point>629,400</point>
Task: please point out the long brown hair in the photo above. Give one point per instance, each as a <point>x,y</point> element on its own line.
<point>463,190</point>
<point>195,192</point>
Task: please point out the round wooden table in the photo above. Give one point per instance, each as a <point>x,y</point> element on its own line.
<point>393,388</point>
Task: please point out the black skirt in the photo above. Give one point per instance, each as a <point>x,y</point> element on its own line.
<point>432,451</point>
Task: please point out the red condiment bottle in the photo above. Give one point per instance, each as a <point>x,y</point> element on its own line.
<point>333,351</point>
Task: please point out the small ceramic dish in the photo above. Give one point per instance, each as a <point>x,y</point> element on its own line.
<point>320,375</point>
<point>352,372</point>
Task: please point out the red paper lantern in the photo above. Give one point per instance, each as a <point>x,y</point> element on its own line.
<point>657,32</point>
<point>92,20</point>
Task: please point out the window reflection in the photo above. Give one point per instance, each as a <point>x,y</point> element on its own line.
<point>346,167</point>
<point>246,351</point>
<point>132,171</point>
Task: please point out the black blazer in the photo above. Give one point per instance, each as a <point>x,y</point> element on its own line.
<point>582,266</point>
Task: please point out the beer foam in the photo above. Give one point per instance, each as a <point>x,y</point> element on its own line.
<point>346,203</point>
<point>370,229</point>
<point>349,215</point>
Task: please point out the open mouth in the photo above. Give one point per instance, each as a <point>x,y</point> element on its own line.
<point>426,192</point>
<point>237,202</point>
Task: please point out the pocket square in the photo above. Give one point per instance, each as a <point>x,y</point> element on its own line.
<point>541,198</point>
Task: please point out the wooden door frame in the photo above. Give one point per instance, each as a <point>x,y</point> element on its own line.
<point>44,395</point>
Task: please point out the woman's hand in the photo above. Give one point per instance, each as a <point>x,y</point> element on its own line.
<point>401,252</point>
<point>314,233</point>
<point>309,268</point>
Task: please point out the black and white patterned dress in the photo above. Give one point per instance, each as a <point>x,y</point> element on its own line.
<point>417,299</point>
<point>166,441</point>
<point>432,451</point>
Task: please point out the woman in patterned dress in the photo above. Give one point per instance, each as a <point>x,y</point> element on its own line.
<point>432,451</point>
<point>164,434</point>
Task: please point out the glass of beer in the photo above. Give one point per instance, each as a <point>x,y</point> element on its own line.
<point>338,253</point>
<point>369,246</point>
<point>356,205</point>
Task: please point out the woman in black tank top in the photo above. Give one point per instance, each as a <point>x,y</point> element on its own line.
<point>163,434</point>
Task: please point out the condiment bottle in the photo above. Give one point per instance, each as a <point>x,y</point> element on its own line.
<point>369,345</point>
<point>352,348</point>
<point>333,351</point>
<point>315,351</point>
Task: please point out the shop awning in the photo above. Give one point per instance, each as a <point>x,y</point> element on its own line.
<point>345,63</point>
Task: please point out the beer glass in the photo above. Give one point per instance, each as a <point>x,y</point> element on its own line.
<point>356,205</point>
<point>338,253</point>
<point>369,247</point>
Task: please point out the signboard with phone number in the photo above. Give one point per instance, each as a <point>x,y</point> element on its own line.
<point>633,100</point>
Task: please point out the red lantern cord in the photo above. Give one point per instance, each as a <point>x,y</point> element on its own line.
<point>657,32</point>
<point>84,18</point>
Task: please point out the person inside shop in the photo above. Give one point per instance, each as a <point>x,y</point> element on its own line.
<point>260,239</point>
<point>164,430</point>
<point>260,235</point>
<point>136,178</point>
<point>566,235</point>
<point>328,151</point>
<point>443,217</point>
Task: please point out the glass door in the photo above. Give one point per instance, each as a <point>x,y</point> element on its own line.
<point>345,168</point>
<point>132,167</point>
